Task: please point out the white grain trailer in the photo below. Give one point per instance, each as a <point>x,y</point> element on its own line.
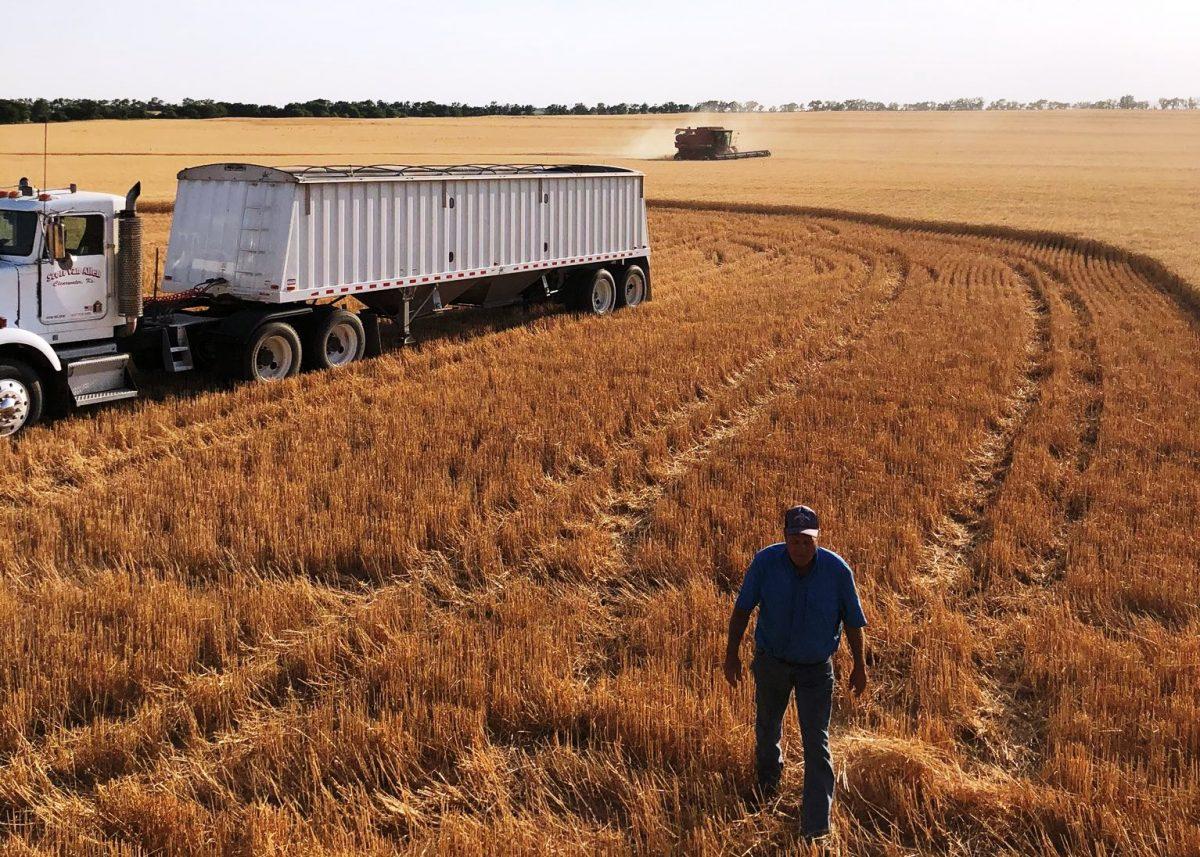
<point>260,259</point>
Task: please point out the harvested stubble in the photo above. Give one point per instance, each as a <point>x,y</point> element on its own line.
<point>486,615</point>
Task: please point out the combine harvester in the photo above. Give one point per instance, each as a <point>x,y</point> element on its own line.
<point>710,143</point>
<point>259,258</point>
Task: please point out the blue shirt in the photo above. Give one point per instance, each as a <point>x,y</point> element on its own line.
<point>800,617</point>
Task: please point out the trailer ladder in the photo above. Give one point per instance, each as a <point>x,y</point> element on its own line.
<point>254,218</point>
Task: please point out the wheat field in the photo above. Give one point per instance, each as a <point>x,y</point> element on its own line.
<point>470,597</point>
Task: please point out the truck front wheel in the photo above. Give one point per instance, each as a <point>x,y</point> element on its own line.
<point>21,397</point>
<point>271,354</point>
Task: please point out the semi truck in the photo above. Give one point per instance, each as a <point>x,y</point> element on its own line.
<point>271,270</point>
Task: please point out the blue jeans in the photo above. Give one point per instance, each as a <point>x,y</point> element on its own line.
<point>774,682</point>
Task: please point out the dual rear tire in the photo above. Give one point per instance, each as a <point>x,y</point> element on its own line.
<point>272,353</point>
<point>338,339</point>
<point>275,351</point>
<point>597,292</point>
<point>633,286</point>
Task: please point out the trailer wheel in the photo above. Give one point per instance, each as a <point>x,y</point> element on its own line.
<point>272,353</point>
<point>596,294</point>
<point>337,340</point>
<point>633,287</point>
<point>21,397</point>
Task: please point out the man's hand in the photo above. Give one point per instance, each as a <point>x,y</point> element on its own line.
<point>858,679</point>
<point>738,620</point>
<point>733,669</point>
<point>858,648</point>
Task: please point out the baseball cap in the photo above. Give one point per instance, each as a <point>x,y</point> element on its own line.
<point>801,519</point>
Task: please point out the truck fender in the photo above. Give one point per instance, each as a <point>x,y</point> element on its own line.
<point>23,339</point>
<point>241,324</point>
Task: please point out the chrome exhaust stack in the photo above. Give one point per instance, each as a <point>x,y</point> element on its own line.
<point>129,262</point>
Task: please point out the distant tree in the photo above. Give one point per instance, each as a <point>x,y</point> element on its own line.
<point>1176,104</point>
<point>241,110</point>
<point>201,109</point>
<point>13,112</point>
<point>318,107</point>
<point>41,111</point>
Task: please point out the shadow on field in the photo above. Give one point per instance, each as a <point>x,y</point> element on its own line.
<point>453,325</point>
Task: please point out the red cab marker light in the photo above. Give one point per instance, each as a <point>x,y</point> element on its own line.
<point>43,197</point>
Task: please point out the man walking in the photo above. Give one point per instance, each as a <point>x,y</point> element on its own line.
<point>805,595</point>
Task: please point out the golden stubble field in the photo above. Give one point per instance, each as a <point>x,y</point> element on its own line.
<point>469,597</point>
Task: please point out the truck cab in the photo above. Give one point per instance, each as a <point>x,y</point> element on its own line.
<point>60,312</point>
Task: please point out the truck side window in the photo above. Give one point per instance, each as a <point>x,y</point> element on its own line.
<point>85,234</point>
<point>18,229</point>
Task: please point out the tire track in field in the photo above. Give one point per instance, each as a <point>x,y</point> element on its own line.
<point>626,515</point>
<point>1005,727</point>
<point>1090,377</point>
<point>51,766</point>
<point>1008,725</point>
<point>1012,710</point>
<point>953,542</point>
<point>952,550</point>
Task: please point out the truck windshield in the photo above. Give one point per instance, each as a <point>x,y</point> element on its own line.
<point>17,231</point>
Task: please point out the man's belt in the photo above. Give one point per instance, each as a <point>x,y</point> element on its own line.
<point>819,663</point>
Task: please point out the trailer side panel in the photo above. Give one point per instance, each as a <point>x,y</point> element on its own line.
<point>286,236</point>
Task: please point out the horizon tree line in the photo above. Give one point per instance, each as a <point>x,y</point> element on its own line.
<point>25,110</point>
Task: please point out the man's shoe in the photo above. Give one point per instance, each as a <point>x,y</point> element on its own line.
<point>817,837</point>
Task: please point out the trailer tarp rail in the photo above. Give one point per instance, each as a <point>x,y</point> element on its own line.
<point>303,173</point>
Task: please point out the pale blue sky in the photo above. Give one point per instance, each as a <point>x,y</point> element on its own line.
<point>538,51</point>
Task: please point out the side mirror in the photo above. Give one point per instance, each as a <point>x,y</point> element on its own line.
<point>57,237</point>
